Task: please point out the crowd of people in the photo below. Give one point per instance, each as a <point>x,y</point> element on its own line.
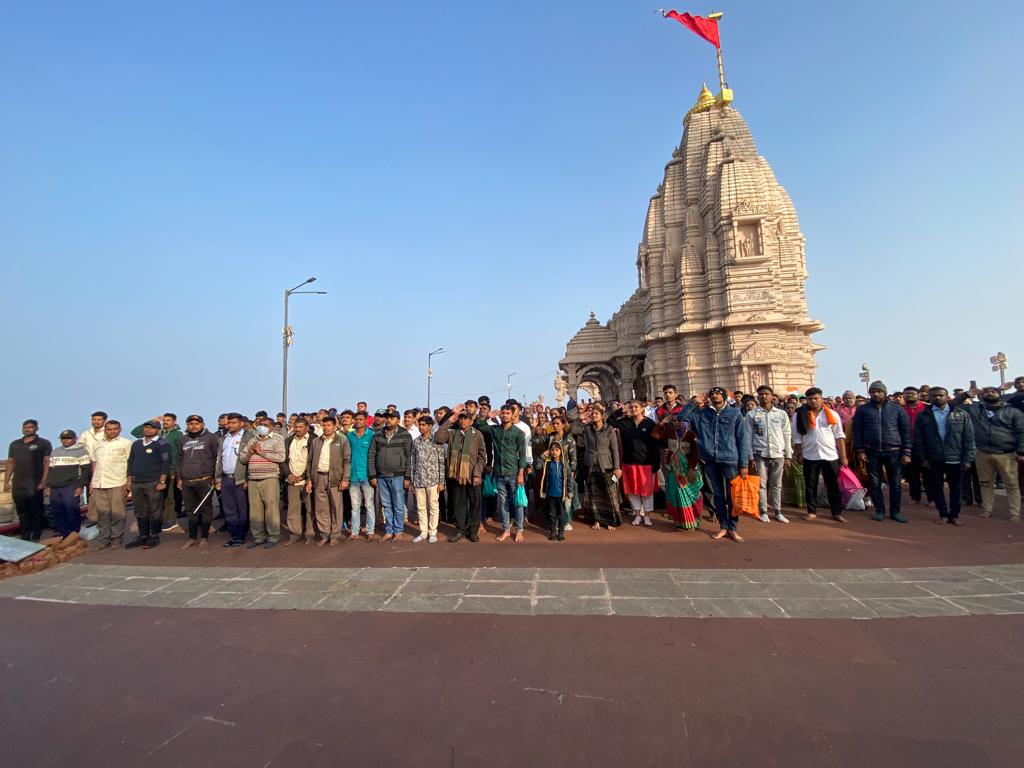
<point>332,476</point>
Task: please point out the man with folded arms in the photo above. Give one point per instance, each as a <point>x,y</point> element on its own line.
<point>263,456</point>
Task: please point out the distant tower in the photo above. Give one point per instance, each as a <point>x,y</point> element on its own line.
<point>720,273</point>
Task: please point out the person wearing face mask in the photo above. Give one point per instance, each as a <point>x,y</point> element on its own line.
<point>199,463</point>
<point>999,437</point>
<point>263,457</point>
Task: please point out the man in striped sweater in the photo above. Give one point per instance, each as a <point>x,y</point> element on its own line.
<point>263,456</point>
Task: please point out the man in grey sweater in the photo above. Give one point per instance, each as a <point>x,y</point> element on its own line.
<point>263,456</point>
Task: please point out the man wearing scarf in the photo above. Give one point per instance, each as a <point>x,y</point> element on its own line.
<point>467,457</point>
<point>820,446</point>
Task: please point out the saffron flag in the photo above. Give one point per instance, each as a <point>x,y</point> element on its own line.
<point>706,28</point>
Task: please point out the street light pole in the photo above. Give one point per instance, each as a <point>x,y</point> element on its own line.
<point>865,373</point>
<point>430,372</point>
<point>508,383</point>
<point>998,361</point>
<point>287,338</point>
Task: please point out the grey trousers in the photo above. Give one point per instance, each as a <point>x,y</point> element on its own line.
<point>770,472</point>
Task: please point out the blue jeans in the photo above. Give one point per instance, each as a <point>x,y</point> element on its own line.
<point>361,494</point>
<point>888,460</point>
<point>720,474</point>
<point>65,507</point>
<point>507,501</point>
<point>392,501</point>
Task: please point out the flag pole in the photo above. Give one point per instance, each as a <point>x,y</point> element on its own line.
<point>724,94</point>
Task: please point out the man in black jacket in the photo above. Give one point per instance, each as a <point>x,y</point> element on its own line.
<point>944,448</point>
<point>881,438</point>
<point>999,436</point>
<point>198,467</point>
<point>149,463</point>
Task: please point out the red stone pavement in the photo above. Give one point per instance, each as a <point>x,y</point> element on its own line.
<point>109,686</point>
<point>862,543</point>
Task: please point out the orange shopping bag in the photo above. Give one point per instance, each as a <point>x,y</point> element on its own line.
<point>745,492</point>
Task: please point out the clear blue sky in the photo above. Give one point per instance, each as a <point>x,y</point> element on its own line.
<point>471,175</point>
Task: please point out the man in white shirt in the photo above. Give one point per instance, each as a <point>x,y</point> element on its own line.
<point>109,487</point>
<point>771,439</point>
<point>88,438</point>
<point>821,447</point>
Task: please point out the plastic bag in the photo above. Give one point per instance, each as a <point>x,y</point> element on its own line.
<point>854,500</point>
<point>744,492</point>
<point>490,486</point>
<point>89,532</point>
<point>521,500</point>
<point>848,481</point>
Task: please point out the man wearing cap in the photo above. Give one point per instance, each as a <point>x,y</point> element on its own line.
<point>360,490</point>
<point>723,435</point>
<point>109,486</point>
<point>149,464</point>
<point>28,462</point>
<point>388,464</point>
<point>328,473</point>
<point>70,470</point>
<point>198,464</point>
<point>467,457</point>
<point>171,434</point>
<point>882,440</point>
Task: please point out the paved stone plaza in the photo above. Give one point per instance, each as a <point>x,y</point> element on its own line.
<point>727,593</point>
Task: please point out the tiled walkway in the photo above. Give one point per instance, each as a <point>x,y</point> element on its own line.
<point>792,593</point>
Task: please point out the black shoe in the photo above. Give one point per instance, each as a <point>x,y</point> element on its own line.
<point>254,544</point>
<point>561,536</point>
<point>552,534</point>
<point>154,541</point>
<point>457,536</point>
<point>474,538</point>
<point>138,541</point>
<point>233,543</point>
<point>223,528</point>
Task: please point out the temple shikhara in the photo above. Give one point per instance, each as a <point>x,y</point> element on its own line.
<point>720,277</point>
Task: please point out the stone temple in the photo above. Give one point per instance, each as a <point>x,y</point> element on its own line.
<point>720,272</point>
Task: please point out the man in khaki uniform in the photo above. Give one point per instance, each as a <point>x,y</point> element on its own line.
<point>327,475</point>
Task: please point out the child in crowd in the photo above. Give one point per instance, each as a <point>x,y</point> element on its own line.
<point>554,487</point>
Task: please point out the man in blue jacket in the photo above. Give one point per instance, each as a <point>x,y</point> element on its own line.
<point>882,440</point>
<point>724,438</point>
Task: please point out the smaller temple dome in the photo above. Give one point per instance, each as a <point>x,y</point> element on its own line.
<point>593,338</point>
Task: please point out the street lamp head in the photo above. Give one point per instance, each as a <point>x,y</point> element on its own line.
<point>311,280</point>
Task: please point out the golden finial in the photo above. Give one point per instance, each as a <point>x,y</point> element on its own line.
<point>705,101</point>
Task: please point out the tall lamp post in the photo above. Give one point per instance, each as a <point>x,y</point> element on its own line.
<point>430,372</point>
<point>287,338</point>
<point>998,361</point>
<point>508,383</point>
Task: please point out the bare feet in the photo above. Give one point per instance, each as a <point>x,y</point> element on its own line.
<point>333,543</point>
<point>203,544</point>
<point>518,536</point>
<point>387,537</point>
<point>189,543</point>
<point>735,536</point>
<point>596,527</point>
<point>503,535</point>
<point>719,535</point>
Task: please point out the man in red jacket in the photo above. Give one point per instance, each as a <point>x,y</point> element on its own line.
<point>915,474</point>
